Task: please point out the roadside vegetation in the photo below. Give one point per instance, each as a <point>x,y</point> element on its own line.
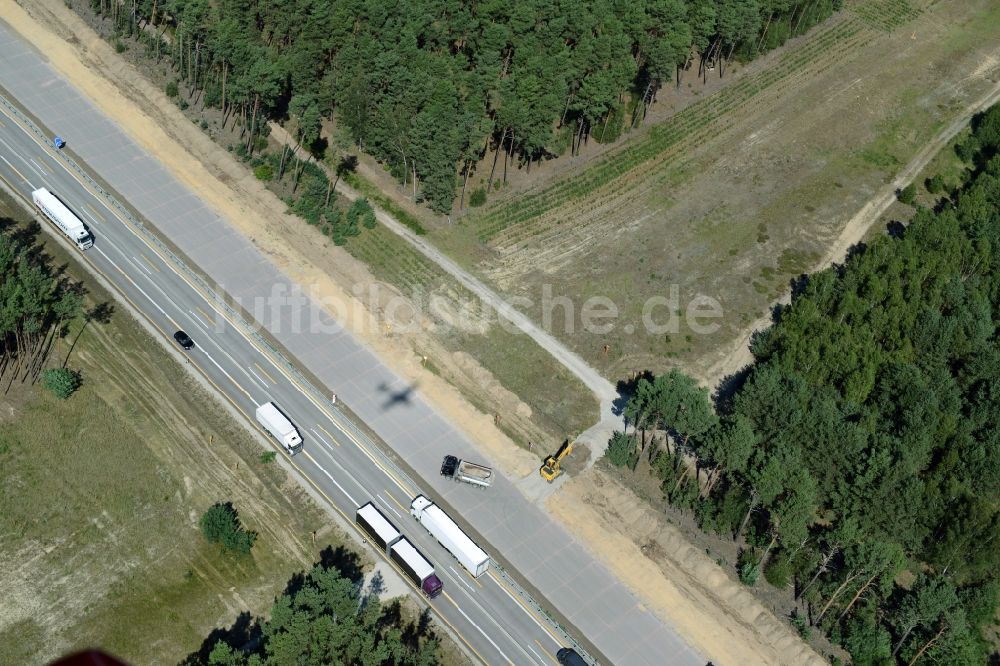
<point>325,617</point>
<point>221,524</point>
<point>539,401</point>
<point>432,91</point>
<point>857,460</point>
<point>39,302</point>
<point>101,492</point>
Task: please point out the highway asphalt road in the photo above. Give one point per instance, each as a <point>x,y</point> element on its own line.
<point>337,461</point>
<point>488,614</point>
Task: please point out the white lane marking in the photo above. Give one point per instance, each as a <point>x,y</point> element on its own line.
<point>136,262</point>
<point>263,383</point>
<point>321,438</point>
<point>199,318</point>
<point>14,169</point>
<point>485,635</point>
<point>155,304</point>
<point>390,506</point>
<point>208,336</point>
<point>209,357</point>
<point>92,218</point>
<point>256,383</point>
<point>140,268</point>
<point>521,606</point>
<point>322,469</point>
<point>34,167</point>
<point>197,322</point>
<point>460,578</point>
<point>241,332</point>
<point>537,655</point>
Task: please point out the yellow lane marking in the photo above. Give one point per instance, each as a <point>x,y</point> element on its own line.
<point>332,438</point>
<point>149,261</point>
<point>389,495</point>
<point>2,124</point>
<point>547,653</point>
<point>18,172</point>
<point>269,377</point>
<point>94,211</point>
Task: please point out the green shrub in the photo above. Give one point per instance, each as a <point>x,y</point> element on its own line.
<point>778,571</point>
<point>120,46</point>
<point>801,624</point>
<point>221,524</point>
<point>263,172</point>
<point>747,567</point>
<point>908,194</point>
<point>935,184</point>
<point>478,197</point>
<point>368,219</point>
<point>268,457</point>
<point>622,451</point>
<point>62,382</point>
<point>183,104</point>
<point>203,124</point>
<point>171,89</point>
<point>609,131</point>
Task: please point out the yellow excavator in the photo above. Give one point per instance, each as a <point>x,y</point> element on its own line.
<point>552,467</point>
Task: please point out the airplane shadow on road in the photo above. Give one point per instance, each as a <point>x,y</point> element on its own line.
<point>396,397</point>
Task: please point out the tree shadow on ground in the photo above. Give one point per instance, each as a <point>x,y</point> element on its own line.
<point>243,634</point>
<point>626,389</point>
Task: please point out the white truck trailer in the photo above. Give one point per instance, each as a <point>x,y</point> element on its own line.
<point>57,212</point>
<point>377,527</point>
<point>416,568</point>
<point>450,535</point>
<point>272,420</point>
<point>469,472</point>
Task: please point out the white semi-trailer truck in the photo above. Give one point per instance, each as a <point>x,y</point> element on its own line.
<point>61,216</point>
<point>272,420</point>
<point>450,535</point>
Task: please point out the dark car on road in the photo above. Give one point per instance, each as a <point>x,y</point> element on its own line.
<point>184,340</point>
<point>569,657</point>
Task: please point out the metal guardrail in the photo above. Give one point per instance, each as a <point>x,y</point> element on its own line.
<point>279,358</point>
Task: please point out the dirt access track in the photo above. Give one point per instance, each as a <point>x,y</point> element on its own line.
<point>741,191</point>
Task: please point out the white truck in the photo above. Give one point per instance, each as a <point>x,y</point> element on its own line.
<point>450,535</point>
<point>57,212</point>
<point>469,472</point>
<point>272,420</point>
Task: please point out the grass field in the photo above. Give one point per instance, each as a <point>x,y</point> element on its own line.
<point>100,497</point>
<point>559,402</point>
<point>741,191</point>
